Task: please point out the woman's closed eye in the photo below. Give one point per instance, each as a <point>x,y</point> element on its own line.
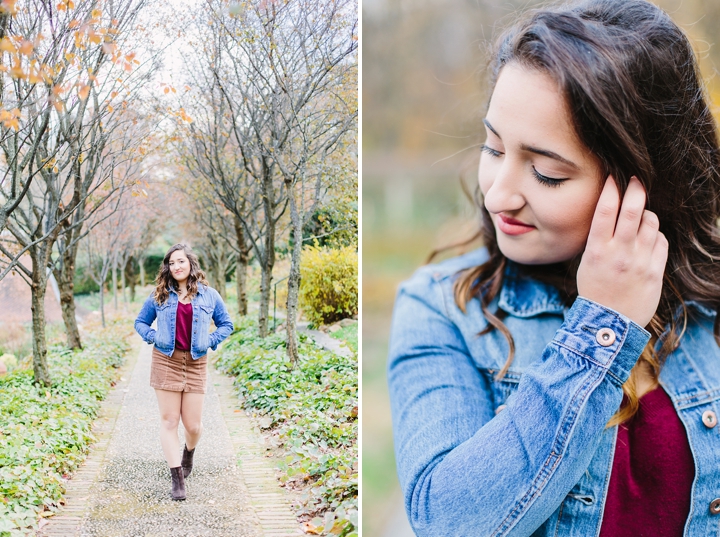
<point>490,151</point>
<point>548,181</point>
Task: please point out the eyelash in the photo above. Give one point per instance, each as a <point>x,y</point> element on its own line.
<point>542,179</point>
<point>490,151</point>
<point>548,181</point>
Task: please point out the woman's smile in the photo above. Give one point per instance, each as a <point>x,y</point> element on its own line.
<point>511,226</point>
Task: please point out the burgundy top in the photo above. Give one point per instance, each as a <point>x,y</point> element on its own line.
<point>183,326</point>
<point>652,473</point>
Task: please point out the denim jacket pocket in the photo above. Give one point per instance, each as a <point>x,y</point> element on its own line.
<point>204,317</point>
<point>164,324</point>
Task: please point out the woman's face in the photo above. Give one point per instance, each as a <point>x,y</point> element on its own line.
<point>540,184</point>
<point>179,266</point>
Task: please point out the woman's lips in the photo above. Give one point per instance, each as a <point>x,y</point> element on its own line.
<point>510,226</point>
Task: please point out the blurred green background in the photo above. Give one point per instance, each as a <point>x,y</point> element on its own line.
<point>423,95</point>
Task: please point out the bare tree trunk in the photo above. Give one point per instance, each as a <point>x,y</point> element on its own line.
<point>241,266</point>
<point>102,302</point>
<point>267,264</point>
<point>131,277</point>
<point>293,280</point>
<point>65,278</point>
<point>39,286</point>
<point>114,280</point>
<point>141,262</point>
<point>122,285</point>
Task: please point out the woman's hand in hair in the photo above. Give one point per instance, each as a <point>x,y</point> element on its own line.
<point>624,260</point>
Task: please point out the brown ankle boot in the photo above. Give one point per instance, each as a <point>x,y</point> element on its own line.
<point>178,483</point>
<point>187,460</point>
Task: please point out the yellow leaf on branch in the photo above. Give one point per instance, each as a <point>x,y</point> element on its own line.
<point>17,71</point>
<point>84,91</point>
<point>26,47</point>
<point>7,46</point>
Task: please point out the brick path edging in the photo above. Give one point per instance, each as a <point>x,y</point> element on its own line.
<point>69,521</point>
<point>270,501</point>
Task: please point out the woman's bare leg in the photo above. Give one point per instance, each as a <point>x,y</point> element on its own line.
<point>191,412</point>
<point>170,403</point>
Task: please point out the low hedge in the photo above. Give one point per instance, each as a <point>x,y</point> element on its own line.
<point>45,433</point>
<point>313,410</point>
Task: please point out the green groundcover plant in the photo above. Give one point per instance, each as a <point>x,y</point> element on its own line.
<point>312,409</point>
<point>45,432</point>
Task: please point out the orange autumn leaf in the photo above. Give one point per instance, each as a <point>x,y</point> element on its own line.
<point>110,108</point>
<point>26,47</point>
<point>166,90</point>
<point>7,46</point>
<point>8,6</point>
<point>84,91</point>
<point>74,24</point>
<point>96,14</point>
<point>17,71</point>
<point>35,77</point>
<point>10,118</point>
<point>95,38</point>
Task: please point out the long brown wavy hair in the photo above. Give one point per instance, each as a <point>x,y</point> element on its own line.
<point>636,100</point>
<point>164,280</point>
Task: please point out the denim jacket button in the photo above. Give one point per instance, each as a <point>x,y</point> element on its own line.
<point>500,409</point>
<point>605,337</point>
<point>709,419</point>
<point>715,506</point>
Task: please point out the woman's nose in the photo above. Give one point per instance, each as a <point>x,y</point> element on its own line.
<point>504,194</point>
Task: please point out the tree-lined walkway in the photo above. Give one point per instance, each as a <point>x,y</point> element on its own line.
<point>123,489</point>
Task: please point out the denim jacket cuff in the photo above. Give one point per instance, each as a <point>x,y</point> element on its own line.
<point>604,336</point>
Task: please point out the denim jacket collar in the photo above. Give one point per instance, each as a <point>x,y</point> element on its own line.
<point>523,296</point>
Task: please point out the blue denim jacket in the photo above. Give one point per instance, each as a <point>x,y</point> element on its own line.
<point>207,305</point>
<point>530,454</point>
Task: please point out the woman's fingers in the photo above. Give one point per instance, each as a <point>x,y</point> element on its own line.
<point>605,217</point>
<point>648,232</point>
<point>631,212</point>
<point>624,260</point>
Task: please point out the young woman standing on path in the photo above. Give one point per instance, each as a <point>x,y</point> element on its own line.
<point>183,304</point>
<point>564,380</point>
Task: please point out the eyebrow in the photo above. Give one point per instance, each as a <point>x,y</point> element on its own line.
<point>536,150</point>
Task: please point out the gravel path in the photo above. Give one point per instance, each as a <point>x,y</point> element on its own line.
<point>130,494</point>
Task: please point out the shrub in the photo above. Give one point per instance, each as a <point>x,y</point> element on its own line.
<point>45,432</point>
<point>329,284</point>
<point>313,410</point>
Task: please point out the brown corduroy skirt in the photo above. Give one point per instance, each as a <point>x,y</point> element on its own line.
<point>179,372</point>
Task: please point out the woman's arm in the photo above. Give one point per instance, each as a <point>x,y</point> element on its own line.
<point>465,471</point>
<point>223,323</point>
<point>145,318</point>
